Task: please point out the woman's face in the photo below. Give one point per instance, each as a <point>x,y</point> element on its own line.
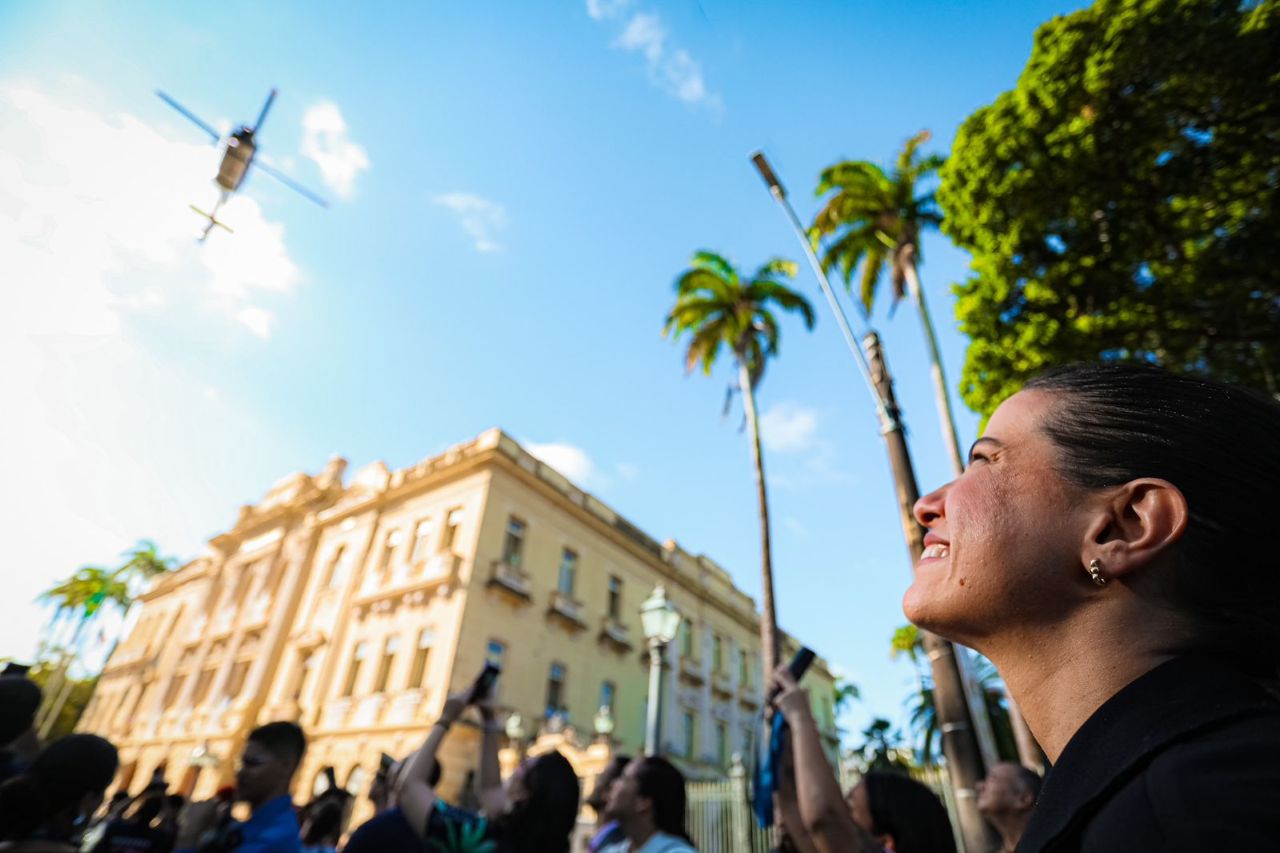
<point>1005,540</point>
<point>860,808</point>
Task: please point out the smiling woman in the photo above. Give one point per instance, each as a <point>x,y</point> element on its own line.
<point>1101,550</point>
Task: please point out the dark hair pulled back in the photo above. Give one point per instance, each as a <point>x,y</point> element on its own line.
<point>61,776</point>
<point>544,822</point>
<point>660,782</point>
<point>1220,446</point>
<point>906,809</point>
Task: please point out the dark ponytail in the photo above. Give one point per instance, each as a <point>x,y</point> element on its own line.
<point>53,786</point>
<point>1220,446</point>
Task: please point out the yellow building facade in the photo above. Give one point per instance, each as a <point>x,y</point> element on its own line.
<point>354,609</point>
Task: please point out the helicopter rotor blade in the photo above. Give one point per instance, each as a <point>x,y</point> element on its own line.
<point>262,116</point>
<point>288,182</point>
<point>214,136</point>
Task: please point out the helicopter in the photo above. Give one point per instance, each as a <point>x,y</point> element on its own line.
<point>238,155</point>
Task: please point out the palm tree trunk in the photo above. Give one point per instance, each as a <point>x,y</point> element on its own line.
<point>1029,754</point>
<point>941,397</point>
<point>769,620</point>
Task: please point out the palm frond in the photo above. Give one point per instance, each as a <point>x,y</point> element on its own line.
<point>716,264</point>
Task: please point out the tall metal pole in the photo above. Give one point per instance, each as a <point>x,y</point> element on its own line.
<point>959,740</point>
<point>653,719</point>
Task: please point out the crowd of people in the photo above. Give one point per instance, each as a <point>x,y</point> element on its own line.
<point>1102,548</point>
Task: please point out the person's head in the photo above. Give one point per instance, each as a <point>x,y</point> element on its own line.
<point>599,797</point>
<point>270,758</point>
<point>63,785</point>
<point>543,794</point>
<point>323,824</point>
<point>901,813</point>
<point>19,701</point>
<point>649,793</point>
<point>1008,789</point>
<point>1156,481</point>
<point>146,809</point>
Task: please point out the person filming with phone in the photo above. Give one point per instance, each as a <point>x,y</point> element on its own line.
<point>535,812</point>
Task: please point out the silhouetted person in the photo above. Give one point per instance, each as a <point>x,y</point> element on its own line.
<point>42,808</point>
<point>608,831</point>
<point>20,699</point>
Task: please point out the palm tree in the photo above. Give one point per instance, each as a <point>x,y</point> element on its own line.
<point>81,598</point>
<point>874,220</point>
<point>720,310</point>
<point>881,748</point>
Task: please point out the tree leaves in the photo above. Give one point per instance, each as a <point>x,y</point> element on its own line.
<point>1121,202</point>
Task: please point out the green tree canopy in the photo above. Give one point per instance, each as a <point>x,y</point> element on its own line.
<point>1121,201</point>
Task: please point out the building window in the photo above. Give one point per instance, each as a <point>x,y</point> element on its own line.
<point>353,671</point>
<point>203,683</point>
<point>686,638</point>
<point>722,745</point>
<point>690,742</point>
<point>174,690</point>
<point>389,550</point>
<point>389,650</point>
<point>452,523</point>
<point>743,676</point>
<point>513,545</point>
<point>421,534</point>
<point>421,657</point>
<point>235,681</point>
<point>555,689</point>
<point>615,598</point>
<point>331,573</point>
<point>717,653</point>
<point>568,572</point>
<point>608,690</point>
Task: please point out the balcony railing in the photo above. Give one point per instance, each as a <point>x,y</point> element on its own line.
<point>510,579</point>
<point>691,669</point>
<point>721,682</point>
<point>566,608</point>
<point>615,633</point>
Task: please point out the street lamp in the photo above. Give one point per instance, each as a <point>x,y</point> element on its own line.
<point>660,621</point>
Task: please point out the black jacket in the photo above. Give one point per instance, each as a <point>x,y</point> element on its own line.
<point>1187,757</point>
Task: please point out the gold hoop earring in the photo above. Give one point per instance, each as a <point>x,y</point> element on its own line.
<point>1095,572</point>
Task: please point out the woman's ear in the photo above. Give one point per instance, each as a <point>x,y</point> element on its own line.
<point>1140,521</point>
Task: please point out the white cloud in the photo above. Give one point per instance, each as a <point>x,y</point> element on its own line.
<point>672,69</point>
<point>645,34</point>
<point>478,216</point>
<point>601,10</point>
<point>796,526</point>
<point>788,428</point>
<point>257,320</point>
<point>566,458</point>
<point>325,142</point>
<point>94,221</point>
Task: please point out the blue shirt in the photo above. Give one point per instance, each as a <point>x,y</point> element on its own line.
<point>272,828</point>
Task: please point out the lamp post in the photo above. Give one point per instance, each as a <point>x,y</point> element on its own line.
<point>660,621</point>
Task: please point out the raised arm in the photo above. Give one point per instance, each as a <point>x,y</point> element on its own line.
<point>823,811</point>
<point>415,797</point>
<point>493,797</point>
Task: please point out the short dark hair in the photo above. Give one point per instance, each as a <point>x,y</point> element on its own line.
<point>910,812</point>
<point>544,822</point>
<point>1029,779</point>
<point>1217,444</point>
<point>282,739</point>
<point>19,701</point>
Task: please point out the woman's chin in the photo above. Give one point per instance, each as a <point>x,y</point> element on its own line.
<point>928,608</point>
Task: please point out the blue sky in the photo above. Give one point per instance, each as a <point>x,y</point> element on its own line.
<point>514,188</point>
